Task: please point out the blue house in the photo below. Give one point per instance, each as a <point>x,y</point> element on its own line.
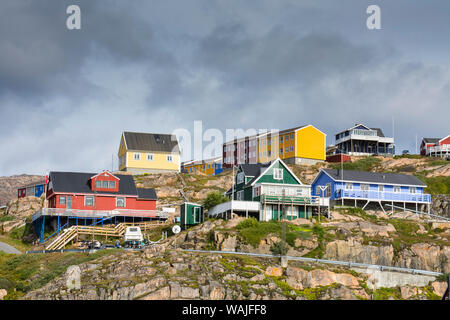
<point>359,188</point>
<point>217,168</point>
<point>34,189</point>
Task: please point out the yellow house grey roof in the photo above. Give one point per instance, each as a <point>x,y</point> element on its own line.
<point>151,142</point>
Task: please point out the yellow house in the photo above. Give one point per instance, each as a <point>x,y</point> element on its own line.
<point>148,153</point>
<point>305,144</point>
<point>299,145</point>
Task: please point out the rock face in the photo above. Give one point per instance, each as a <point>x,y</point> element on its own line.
<point>24,207</point>
<point>9,185</point>
<point>425,256</point>
<point>440,204</point>
<point>353,251</point>
<point>3,293</point>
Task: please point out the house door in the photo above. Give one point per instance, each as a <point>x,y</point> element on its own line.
<point>301,212</point>
<point>196,215</point>
<point>69,202</point>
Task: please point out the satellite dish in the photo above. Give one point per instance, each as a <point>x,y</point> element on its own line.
<point>176,229</point>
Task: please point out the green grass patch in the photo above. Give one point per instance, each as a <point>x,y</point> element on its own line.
<point>364,164</point>
<point>253,231</point>
<point>5,218</point>
<point>32,271</point>
<point>435,185</point>
<point>386,293</point>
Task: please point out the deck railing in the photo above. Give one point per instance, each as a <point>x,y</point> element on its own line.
<point>439,149</point>
<point>99,214</point>
<point>383,196</point>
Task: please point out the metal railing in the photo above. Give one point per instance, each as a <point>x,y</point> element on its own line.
<point>378,195</point>
<point>334,262</point>
<point>439,149</point>
<point>98,214</point>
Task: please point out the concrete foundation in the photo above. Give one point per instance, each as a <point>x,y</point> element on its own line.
<point>295,160</point>
<point>390,279</point>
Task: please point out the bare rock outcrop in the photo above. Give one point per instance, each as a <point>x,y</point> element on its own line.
<point>353,251</point>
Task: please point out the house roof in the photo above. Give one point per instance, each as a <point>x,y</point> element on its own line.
<point>374,177</point>
<point>147,193</point>
<point>262,168</point>
<point>151,142</point>
<point>379,132</point>
<point>79,182</point>
<point>251,169</point>
<point>430,140</point>
<point>32,184</point>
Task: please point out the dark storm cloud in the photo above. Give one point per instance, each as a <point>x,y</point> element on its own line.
<point>66,96</point>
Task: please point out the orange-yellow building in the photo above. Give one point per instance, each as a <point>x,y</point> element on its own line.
<point>305,144</point>
<point>207,167</point>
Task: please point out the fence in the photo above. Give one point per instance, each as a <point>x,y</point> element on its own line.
<point>99,214</point>
<point>335,262</point>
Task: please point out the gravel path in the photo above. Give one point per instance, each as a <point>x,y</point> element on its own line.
<point>8,249</point>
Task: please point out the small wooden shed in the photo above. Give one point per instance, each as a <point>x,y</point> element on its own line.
<point>191,214</point>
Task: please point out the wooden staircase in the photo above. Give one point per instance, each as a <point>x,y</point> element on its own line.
<point>118,230</point>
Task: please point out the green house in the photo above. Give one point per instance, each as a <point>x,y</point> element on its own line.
<point>275,187</point>
<point>191,214</point>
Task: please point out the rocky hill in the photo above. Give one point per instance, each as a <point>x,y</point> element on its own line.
<point>9,185</point>
<point>162,272</point>
<point>403,240</point>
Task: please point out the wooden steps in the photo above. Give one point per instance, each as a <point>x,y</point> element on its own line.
<point>118,230</point>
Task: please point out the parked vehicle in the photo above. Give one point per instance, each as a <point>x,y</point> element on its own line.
<point>405,152</point>
<point>133,238</point>
<point>94,245</point>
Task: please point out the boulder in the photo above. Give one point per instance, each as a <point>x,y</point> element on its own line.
<point>408,292</point>
<point>229,244</point>
<point>160,294</point>
<point>274,271</point>
<point>3,293</point>
<point>439,288</point>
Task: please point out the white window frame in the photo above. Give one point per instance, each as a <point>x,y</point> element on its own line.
<point>124,202</point>
<point>397,189</point>
<point>240,178</point>
<point>412,189</point>
<point>169,158</point>
<point>348,186</point>
<point>365,187</point>
<point>137,156</point>
<point>380,188</point>
<point>150,157</point>
<point>240,195</point>
<point>278,173</point>
<point>85,200</point>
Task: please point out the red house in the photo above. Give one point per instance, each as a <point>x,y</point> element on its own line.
<point>435,147</point>
<point>98,192</point>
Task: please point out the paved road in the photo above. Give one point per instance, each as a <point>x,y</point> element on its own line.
<point>8,249</point>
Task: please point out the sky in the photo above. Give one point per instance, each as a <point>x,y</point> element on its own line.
<point>66,96</point>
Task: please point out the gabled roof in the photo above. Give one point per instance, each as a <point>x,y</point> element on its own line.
<point>151,142</point>
<point>373,177</point>
<point>379,132</point>
<point>147,193</point>
<point>79,182</point>
<point>444,138</point>
<point>268,166</point>
<point>430,140</point>
<point>251,169</point>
